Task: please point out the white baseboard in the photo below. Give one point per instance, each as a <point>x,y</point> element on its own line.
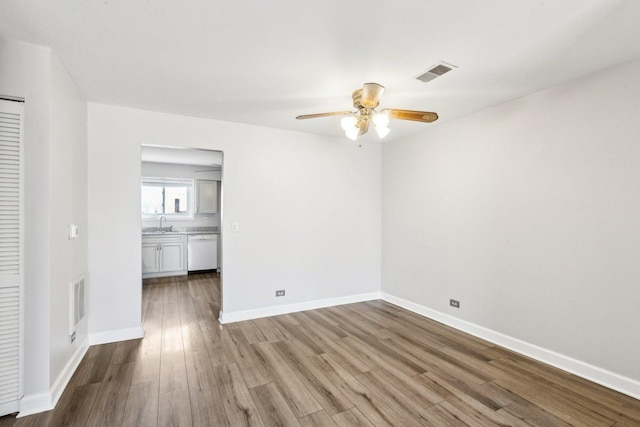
<point>67,372</point>
<point>116,335</point>
<point>34,403</point>
<point>598,375</point>
<point>238,316</point>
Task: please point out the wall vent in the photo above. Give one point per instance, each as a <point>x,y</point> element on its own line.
<point>76,303</point>
<point>435,71</point>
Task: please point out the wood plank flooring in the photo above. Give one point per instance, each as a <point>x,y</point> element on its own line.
<point>366,364</point>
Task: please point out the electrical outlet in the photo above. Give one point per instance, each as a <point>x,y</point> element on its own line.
<point>73,336</point>
<point>205,219</point>
<point>454,303</point>
<point>280,293</point>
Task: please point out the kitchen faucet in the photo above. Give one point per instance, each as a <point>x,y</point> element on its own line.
<point>161,218</point>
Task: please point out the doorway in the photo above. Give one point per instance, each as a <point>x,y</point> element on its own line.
<point>181,203</point>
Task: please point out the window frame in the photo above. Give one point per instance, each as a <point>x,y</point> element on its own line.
<point>169,182</point>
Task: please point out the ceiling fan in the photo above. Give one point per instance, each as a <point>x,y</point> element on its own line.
<point>365,101</point>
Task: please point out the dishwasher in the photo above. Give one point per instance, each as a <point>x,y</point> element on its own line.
<point>202,252</point>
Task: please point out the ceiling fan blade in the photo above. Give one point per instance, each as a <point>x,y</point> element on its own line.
<point>364,127</point>
<point>416,116</point>
<point>371,93</point>
<point>313,116</point>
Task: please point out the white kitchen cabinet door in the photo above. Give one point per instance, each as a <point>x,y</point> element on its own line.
<point>206,196</point>
<point>172,257</point>
<point>164,255</point>
<point>150,258</point>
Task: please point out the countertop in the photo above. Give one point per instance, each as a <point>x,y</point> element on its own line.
<point>154,231</point>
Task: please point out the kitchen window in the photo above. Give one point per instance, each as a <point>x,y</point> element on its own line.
<point>168,197</point>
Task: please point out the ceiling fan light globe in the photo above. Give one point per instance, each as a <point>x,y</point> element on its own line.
<point>382,131</point>
<point>380,120</point>
<point>348,122</point>
<point>352,133</point>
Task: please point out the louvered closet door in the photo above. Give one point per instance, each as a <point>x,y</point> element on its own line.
<point>11,255</point>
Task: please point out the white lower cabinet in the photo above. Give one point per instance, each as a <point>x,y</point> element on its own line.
<point>172,257</point>
<point>164,256</point>
<point>150,262</point>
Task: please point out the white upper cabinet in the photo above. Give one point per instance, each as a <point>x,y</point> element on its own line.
<point>206,196</point>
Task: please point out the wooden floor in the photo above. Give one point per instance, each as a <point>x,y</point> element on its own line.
<point>360,364</point>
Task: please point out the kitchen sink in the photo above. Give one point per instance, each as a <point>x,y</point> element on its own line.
<point>168,229</point>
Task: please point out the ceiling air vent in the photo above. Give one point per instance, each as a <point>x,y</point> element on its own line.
<point>435,71</point>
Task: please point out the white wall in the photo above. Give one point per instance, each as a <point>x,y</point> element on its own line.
<point>68,201</point>
<point>24,72</point>
<point>55,165</point>
<point>169,170</point>
<point>308,209</point>
<point>529,214</point>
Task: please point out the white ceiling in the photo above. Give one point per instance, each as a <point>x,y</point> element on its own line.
<point>264,62</point>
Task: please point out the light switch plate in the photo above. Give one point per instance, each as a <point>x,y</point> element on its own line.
<point>235,227</point>
<point>73,231</point>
